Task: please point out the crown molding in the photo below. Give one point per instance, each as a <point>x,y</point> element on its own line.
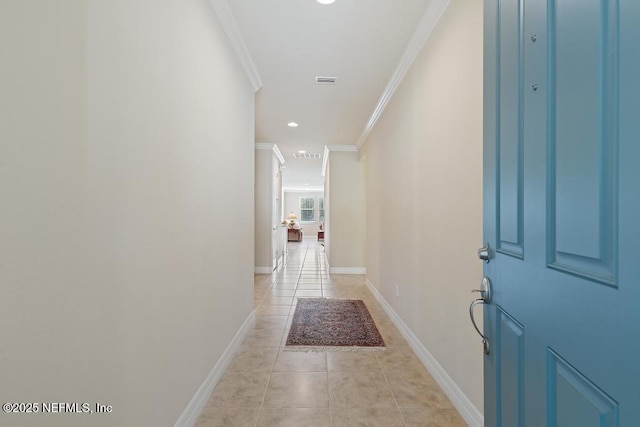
<point>225,15</point>
<point>269,146</point>
<point>427,24</point>
<point>264,146</point>
<point>342,148</point>
<point>325,159</point>
<point>329,148</point>
<point>305,189</point>
<point>279,155</point>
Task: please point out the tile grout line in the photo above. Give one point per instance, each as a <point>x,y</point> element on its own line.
<point>266,389</point>
<point>262,407</point>
<point>325,353</point>
<point>384,374</point>
<point>278,349</point>
<point>326,361</point>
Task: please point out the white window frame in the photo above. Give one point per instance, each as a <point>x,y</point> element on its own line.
<point>312,209</point>
<point>321,213</point>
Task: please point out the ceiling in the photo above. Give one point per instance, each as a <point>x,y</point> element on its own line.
<point>360,42</point>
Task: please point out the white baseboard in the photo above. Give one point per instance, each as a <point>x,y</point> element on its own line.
<point>344,270</point>
<point>263,270</point>
<point>347,270</point>
<point>467,409</point>
<point>199,400</point>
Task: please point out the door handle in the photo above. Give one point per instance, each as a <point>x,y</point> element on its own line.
<point>485,298</point>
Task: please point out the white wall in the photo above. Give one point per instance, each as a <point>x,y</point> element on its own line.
<point>424,195</point>
<point>126,138</point>
<point>279,240</point>
<point>268,206</point>
<point>346,231</point>
<point>327,206</point>
<point>292,204</point>
<point>263,209</point>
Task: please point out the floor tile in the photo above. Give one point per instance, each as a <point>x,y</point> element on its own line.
<point>281,293</point>
<point>265,385</point>
<point>295,361</point>
<point>309,293</point>
<point>254,360</point>
<point>297,390</point>
<point>240,390</point>
<point>227,417</point>
<point>352,361</point>
<point>361,389</point>
<point>272,300</point>
<point>433,418</point>
<point>273,310</point>
<point>418,394</point>
<point>405,365</point>
<point>269,338</point>
<point>294,417</point>
<point>283,280</point>
<point>315,286</point>
<point>310,279</point>
<point>270,322</point>
<point>366,417</point>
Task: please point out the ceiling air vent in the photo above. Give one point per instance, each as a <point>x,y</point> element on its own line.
<point>306,155</point>
<point>323,80</point>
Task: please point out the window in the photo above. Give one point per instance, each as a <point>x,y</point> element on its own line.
<point>307,205</point>
<point>320,209</point>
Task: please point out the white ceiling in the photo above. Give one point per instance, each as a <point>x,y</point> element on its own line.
<point>361,42</point>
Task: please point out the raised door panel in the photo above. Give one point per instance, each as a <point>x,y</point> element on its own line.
<point>510,138</point>
<point>510,356</point>
<point>573,400</point>
<point>583,139</point>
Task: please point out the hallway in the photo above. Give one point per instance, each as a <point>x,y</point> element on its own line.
<point>266,386</point>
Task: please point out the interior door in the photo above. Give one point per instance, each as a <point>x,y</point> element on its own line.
<point>562,212</point>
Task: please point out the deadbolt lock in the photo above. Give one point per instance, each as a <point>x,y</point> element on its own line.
<point>484,253</point>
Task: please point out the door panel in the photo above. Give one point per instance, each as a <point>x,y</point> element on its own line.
<point>574,400</point>
<point>561,209</point>
<point>510,138</point>
<point>583,117</point>
<point>510,348</point>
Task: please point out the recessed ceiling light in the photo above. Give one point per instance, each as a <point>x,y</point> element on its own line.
<point>326,1</point>
<point>292,124</point>
<point>301,151</point>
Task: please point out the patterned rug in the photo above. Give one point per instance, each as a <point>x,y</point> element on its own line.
<point>322,324</point>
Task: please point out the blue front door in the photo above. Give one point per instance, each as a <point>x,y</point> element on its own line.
<point>562,212</point>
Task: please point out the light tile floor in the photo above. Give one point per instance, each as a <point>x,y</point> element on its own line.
<point>265,386</point>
